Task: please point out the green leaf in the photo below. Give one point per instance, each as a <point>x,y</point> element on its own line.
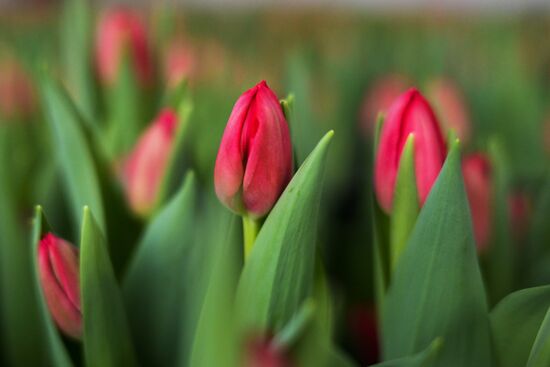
<point>178,162</point>
<point>439,281</point>
<point>23,336</point>
<point>381,253</point>
<point>57,353</point>
<point>515,322</point>
<point>126,110</point>
<point>107,340</point>
<point>77,37</point>
<point>405,203</point>
<point>425,358</point>
<point>160,282</point>
<point>278,276</point>
<point>73,152</point>
<point>540,353</point>
<point>216,326</point>
<point>501,265</point>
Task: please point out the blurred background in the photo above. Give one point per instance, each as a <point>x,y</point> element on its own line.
<point>484,66</point>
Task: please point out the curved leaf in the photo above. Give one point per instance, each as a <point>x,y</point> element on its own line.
<point>540,353</point>
<point>515,322</point>
<point>278,275</point>
<point>106,338</point>
<point>425,358</point>
<point>439,281</point>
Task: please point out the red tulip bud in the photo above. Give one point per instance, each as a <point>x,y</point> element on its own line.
<point>146,165</point>
<point>409,114</point>
<point>254,163</point>
<point>379,98</point>
<point>476,170</point>
<point>262,353</point>
<point>119,31</point>
<point>59,276</point>
<point>449,103</point>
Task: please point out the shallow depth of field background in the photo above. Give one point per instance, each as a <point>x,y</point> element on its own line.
<point>330,58</point>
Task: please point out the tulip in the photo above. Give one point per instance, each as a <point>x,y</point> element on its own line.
<point>262,353</point>
<point>254,162</point>
<point>379,98</point>
<point>121,31</point>
<point>409,114</point>
<point>476,169</point>
<point>145,167</point>
<point>179,63</point>
<point>450,107</point>
<point>58,267</point>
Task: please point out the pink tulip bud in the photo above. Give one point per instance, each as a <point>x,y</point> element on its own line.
<point>262,353</point>
<point>450,106</point>
<point>179,62</point>
<point>146,164</point>
<point>119,31</point>
<point>254,163</point>
<point>58,266</point>
<point>476,169</point>
<point>409,114</point>
<point>379,98</point>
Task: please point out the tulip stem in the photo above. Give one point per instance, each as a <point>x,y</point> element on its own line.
<point>251,227</point>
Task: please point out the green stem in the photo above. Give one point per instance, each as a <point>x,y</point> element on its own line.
<point>251,227</point>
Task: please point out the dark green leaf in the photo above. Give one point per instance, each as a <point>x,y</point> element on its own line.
<point>439,281</point>
<point>515,322</point>
<point>425,358</point>
<point>540,353</point>
<point>160,282</point>
<point>73,152</point>
<point>278,276</point>
<point>107,340</point>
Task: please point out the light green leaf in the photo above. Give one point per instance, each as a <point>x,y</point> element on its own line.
<point>439,281</point>
<point>278,276</point>
<point>405,203</point>
<point>216,324</point>
<point>57,354</point>
<point>425,358</point>
<point>106,340</point>
<point>540,353</point>
<point>23,336</point>
<point>73,152</point>
<point>515,322</point>
<point>77,37</point>
<point>161,278</point>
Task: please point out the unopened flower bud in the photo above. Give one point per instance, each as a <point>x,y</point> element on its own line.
<point>146,165</point>
<point>121,31</point>
<point>58,265</point>
<point>409,114</point>
<point>254,162</point>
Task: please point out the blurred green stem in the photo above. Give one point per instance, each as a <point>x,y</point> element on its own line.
<point>251,227</point>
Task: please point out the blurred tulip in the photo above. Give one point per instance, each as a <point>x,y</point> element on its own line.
<point>179,62</point>
<point>17,99</point>
<point>409,114</point>
<point>58,265</point>
<point>520,209</point>
<point>450,107</point>
<point>261,353</point>
<point>476,169</point>
<point>365,333</point>
<point>254,162</point>
<point>119,31</point>
<point>379,99</point>
<point>146,164</point>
